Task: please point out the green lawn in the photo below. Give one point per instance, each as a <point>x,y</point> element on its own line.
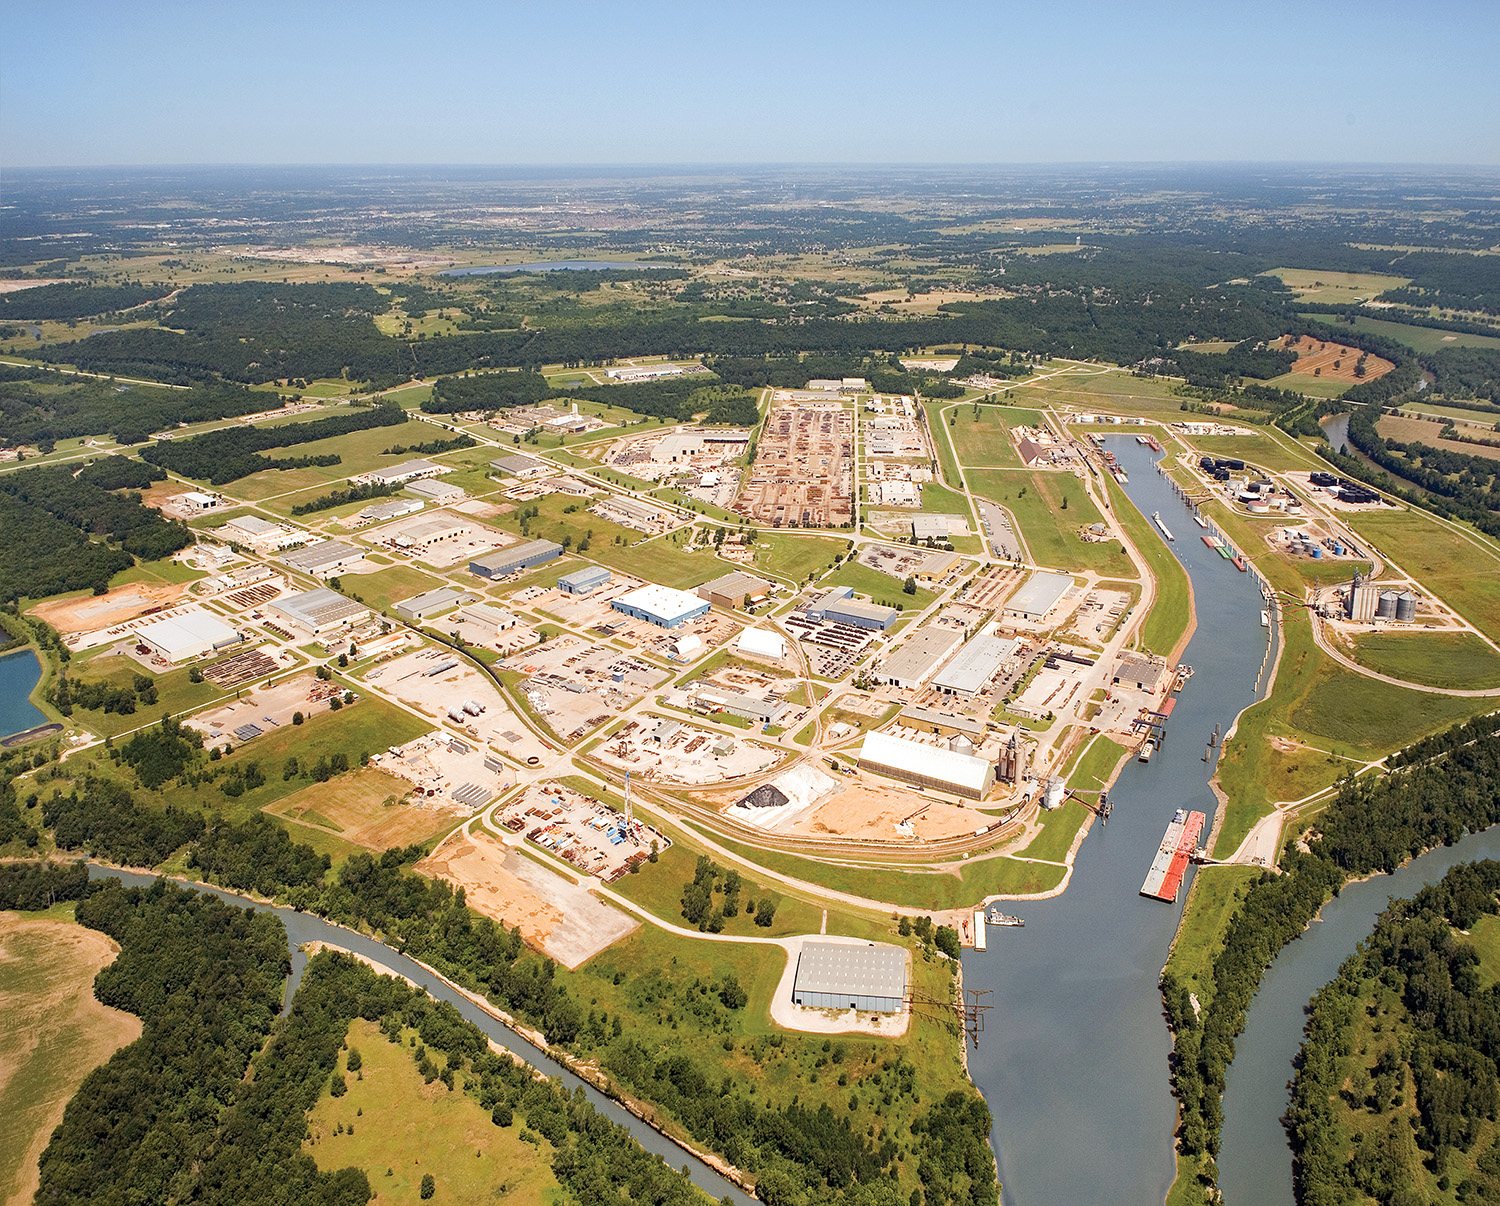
<point>1059,828</point>
<point>882,588</point>
<point>1257,448</point>
<point>986,440</point>
<point>1437,659</point>
<point>1323,285</point>
<point>792,558</point>
<point>175,693</point>
<point>659,560</point>
<point>1093,768</point>
<point>1170,614</point>
<point>1050,529</point>
<point>389,586</point>
<point>154,572</point>
<point>1215,896</point>
<point>391,1120</point>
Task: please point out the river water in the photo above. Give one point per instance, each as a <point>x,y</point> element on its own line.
<point>303,928</point>
<point>1255,1160</point>
<point>20,672</point>
<point>1073,1060</point>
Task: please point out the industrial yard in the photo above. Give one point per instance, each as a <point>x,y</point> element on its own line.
<point>803,475</point>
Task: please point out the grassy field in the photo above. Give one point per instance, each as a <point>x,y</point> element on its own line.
<point>986,440</point>
<point>661,560</point>
<point>55,1032</point>
<point>1170,614</point>
<point>365,807</point>
<point>1322,285</point>
<point>1458,565</point>
<point>1419,339</point>
<point>1438,659</point>
<point>792,558</point>
<point>1313,387</point>
<point>360,450</point>
<point>882,588</point>
<point>1093,389</point>
<point>1092,769</point>
<point>175,693</point>
<point>1049,529</point>
<point>385,587</point>
<point>1055,838</point>
<point>1256,448</point>
<point>392,1121</point>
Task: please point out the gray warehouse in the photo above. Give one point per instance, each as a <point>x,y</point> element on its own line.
<point>518,557</point>
<point>841,975</point>
<point>1039,596</point>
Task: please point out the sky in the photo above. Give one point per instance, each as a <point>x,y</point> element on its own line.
<point>720,81</point>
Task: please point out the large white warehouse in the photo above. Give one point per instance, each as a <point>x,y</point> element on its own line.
<point>927,766</point>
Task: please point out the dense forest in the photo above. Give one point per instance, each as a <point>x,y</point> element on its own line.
<point>231,453</point>
<point>67,300</point>
<point>1446,787</point>
<point>52,407</point>
<point>1396,1083</point>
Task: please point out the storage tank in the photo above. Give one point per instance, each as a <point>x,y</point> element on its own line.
<point>1317,553</point>
<point>472,707</point>
<point>1338,548</point>
<point>1385,609</point>
<point>1052,796</point>
<point>960,744</point>
<point>457,715</point>
<point>1406,607</point>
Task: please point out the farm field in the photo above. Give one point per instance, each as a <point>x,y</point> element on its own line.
<point>1321,285</point>
<point>1419,339</point>
<point>390,1119</point>
<point>55,1032</point>
<point>1425,431</point>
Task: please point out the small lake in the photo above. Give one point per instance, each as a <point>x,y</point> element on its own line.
<point>20,672</point>
<point>556,266</point>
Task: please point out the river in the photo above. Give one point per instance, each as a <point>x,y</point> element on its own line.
<point>302,928</point>
<point>1073,1060</point>
<point>20,672</point>
<point>1255,1160</point>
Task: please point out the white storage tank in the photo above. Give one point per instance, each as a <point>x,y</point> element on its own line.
<point>473,708</point>
<point>1054,793</point>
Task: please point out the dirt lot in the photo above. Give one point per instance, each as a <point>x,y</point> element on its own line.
<point>1426,430</point>
<point>368,807</point>
<point>55,1033</point>
<point>95,612</point>
<point>572,683</point>
<point>1332,361</point>
<point>555,916</point>
<point>859,811</point>
<point>268,708</point>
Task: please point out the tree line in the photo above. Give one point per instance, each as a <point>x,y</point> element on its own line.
<point>1372,825</point>
<point>72,406</point>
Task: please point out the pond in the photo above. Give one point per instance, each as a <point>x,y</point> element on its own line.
<point>20,671</point>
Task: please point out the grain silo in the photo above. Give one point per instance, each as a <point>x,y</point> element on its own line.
<point>1406,607</point>
<point>1385,609</point>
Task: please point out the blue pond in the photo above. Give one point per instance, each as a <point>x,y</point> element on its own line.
<point>19,674</point>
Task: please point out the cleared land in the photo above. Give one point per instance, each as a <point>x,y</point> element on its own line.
<point>555,915</point>
<point>366,807</point>
<point>90,613</point>
<point>1321,285</point>
<point>55,1033</point>
<point>1440,659</point>
<point>1419,339</point>
<point>1427,432</point>
<point>392,1121</point>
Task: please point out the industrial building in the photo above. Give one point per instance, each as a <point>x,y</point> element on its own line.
<point>632,512</point>
<point>178,638</point>
<point>431,603</point>
<point>426,533</point>
<point>1036,600</point>
<point>505,562</point>
<point>486,616</point>
<point>926,766</point>
<point>319,611</point>
<point>838,606</point>
<point>323,558</point>
<point>406,471</point>
<point>937,527</point>
<point>919,657</point>
<point>942,724</point>
<point>522,467</point>
<point>663,606</point>
<point>391,508</point>
<point>935,566</point>
<point>733,590</point>
<point>441,493</point>
<point>747,707</point>
<point>972,667</point>
<point>1363,599</point>
<point>1141,673</point>
<point>761,642</point>
<point>845,975</point>
<point>585,581</point>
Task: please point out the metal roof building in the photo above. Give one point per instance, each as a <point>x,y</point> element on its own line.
<point>178,638</point>
<point>843,975</point>
<point>518,557</point>
<point>584,581</point>
<point>919,657</point>
<point>1039,596</point>
<point>430,603</point>
<point>971,668</point>
<point>391,508</point>
<point>323,558</point>
<point>319,611</point>
<point>761,642</point>
<point>732,589</point>
<point>406,471</point>
<point>926,766</point>
<point>860,613</point>
<point>520,466</point>
<point>661,605</point>
<point>939,527</point>
<point>439,492</point>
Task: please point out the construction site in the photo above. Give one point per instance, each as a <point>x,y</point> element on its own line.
<point>803,474</point>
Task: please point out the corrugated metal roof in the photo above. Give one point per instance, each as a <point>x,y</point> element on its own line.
<point>928,761</point>
<point>873,970</point>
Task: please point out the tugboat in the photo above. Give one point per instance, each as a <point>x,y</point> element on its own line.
<point>993,916</point>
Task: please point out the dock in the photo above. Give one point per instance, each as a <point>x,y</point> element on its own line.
<point>979,935</point>
<point>1165,531</point>
<point>1164,879</point>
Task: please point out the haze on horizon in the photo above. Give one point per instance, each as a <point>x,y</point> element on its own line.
<point>468,82</point>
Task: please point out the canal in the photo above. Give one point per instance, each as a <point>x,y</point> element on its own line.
<point>1073,1060</point>
<point>303,928</point>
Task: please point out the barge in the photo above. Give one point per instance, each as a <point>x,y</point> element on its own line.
<point>1165,531</point>
<point>1164,879</point>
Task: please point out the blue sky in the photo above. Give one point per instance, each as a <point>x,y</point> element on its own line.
<point>453,81</point>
